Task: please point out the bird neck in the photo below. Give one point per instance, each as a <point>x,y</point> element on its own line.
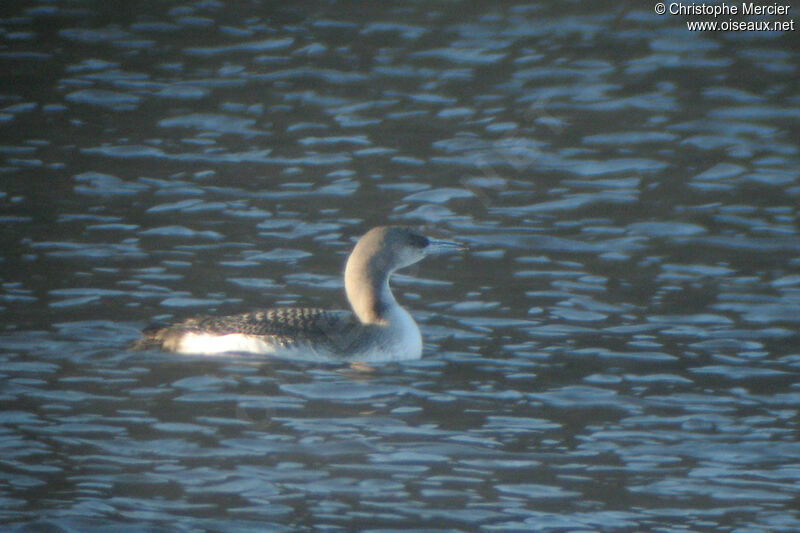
<point>367,286</point>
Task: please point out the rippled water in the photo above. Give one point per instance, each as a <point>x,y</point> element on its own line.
<point>618,351</point>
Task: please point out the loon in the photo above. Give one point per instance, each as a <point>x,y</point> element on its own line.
<point>377,329</point>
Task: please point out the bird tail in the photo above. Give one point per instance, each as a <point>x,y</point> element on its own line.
<point>152,338</point>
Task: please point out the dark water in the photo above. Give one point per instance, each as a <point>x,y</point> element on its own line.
<point>618,351</point>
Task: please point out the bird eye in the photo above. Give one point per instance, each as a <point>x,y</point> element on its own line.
<point>419,241</point>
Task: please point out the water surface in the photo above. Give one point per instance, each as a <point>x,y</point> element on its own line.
<point>618,351</point>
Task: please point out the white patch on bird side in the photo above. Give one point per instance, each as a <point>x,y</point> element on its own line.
<point>210,344</point>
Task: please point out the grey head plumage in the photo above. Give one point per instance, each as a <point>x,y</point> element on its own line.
<point>378,254</point>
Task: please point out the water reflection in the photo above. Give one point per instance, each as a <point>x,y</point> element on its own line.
<point>624,357</point>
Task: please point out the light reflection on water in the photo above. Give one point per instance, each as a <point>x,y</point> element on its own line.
<point>617,351</point>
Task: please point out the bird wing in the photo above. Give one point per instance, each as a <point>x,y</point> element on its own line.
<point>312,328</point>
<point>280,321</point>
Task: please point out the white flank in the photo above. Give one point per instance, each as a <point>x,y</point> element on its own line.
<point>210,344</point>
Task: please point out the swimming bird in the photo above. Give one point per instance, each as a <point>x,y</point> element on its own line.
<point>377,328</point>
